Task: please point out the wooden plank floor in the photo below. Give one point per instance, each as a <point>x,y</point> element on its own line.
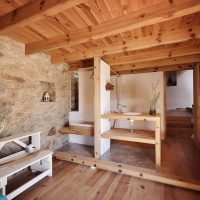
<point>76,182</point>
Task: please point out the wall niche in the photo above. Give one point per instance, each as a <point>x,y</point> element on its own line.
<point>48,87</point>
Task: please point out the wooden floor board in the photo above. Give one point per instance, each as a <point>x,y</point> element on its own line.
<point>77,182</point>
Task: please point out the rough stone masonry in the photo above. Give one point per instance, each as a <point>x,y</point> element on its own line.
<point>21,89</point>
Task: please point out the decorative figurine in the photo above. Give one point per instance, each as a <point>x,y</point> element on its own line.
<point>46,97</point>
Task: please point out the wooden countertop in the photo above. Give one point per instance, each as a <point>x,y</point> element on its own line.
<point>142,116</point>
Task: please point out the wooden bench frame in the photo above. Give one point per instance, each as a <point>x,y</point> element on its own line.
<point>39,160</point>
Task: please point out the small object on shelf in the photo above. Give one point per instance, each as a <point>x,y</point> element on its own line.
<point>152,112</point>
<point>155,95</point>
<point>46,97</point>
<point>109,86</point>
<point>30,148</point>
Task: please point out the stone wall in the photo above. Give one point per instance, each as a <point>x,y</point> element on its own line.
<point>21,89</point>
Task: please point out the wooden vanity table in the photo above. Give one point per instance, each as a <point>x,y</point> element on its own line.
<point>142,136</point>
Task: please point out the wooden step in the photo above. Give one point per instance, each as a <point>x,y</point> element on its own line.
<point>179,124</point>
<point>179,131</point>
<point>143,136</point>
<point>182,119</point>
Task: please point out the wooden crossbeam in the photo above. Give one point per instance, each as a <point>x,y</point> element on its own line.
<point>158,63</point>
<point>158,69</point>
<point>80,65</point>
<point>160,38</point>
<point>35,10</point>
<point>147,16</point>
<point>165,51</point>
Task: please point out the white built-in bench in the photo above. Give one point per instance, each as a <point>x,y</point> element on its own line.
<point>31,156</point>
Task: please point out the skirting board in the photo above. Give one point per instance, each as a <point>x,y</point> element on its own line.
<point>138,172</point>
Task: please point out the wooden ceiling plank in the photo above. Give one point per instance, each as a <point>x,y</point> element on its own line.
<point>166,69</point>
<point>33,11</point>
<point>140,18</point>
<point>158,63</point>
<point>155,54</point>
<point>161,52</point>
<point>162,38</point>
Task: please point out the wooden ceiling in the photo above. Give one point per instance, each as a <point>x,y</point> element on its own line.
<point>131,35</point>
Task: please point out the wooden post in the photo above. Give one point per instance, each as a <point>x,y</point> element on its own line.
<point>158,143</point>
<point>197,104</point>
<point>164,106</point>
<point>97,107</point>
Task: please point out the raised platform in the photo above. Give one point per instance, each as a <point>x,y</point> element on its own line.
<point>138,172</point>
<point>176,152</point>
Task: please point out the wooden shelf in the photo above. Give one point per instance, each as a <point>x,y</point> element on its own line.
<point>147,137</point>
<point>67,130</point>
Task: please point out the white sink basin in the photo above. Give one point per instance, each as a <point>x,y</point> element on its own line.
<point>132,113</point>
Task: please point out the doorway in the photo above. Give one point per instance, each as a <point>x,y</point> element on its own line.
<point>179,101</point>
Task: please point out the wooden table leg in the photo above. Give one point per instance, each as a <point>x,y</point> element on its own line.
<point>158,144</point>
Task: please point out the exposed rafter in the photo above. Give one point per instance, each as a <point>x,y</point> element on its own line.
<point>84,64</point>
<point>33,11</point>
<point>161,52</point>
<point>157,69</point>
<point>158,63</point>
<point>161,38</point>
<point>147,16</point>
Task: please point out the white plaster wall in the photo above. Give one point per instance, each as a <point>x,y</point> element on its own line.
<point>134,92</point>
<point>181,96</point>
<point>86,107</point>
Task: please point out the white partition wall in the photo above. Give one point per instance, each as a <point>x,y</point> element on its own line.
<point>101,105</point>
<point>105,104</point>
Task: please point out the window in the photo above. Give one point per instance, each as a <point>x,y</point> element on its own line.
<point>75,91</point>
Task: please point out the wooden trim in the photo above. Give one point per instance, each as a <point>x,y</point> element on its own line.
<point>164,104</point>
<point>33,11</point>
<point>137,172</point>
<point>197,105</point>
<point>140,18</point>
<point>158,63</point>
<point>162,38</point>
<point>97,107</point>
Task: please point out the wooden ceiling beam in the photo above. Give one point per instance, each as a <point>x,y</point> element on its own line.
<point>80,65</point>
<point>160,38</point>
<point>158,63</point>
<point>166,69</point>
<point>155,53</point>
<point>35,10</point>
<point>144,17</point>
